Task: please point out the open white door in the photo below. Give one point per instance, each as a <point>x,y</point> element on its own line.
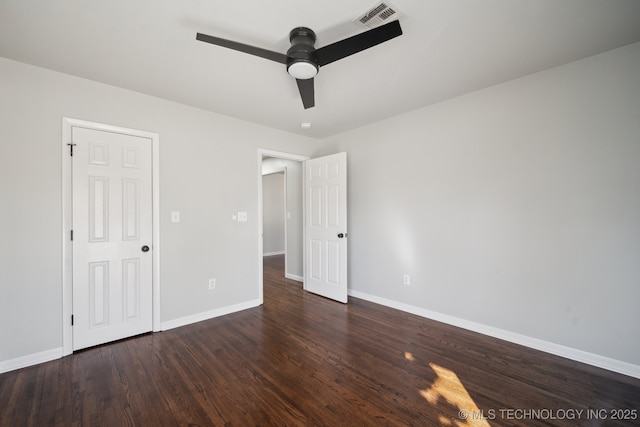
<point>326,226</point>
<point>112,236</point>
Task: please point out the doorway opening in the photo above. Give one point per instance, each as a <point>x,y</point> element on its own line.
<point>323,258</point>
<point>284,172</point>
<point>274,211</point>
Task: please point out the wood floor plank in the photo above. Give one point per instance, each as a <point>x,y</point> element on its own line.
<point>303,360</point>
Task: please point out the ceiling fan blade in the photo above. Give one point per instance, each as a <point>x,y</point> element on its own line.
<point>252,50</point>
<point>328,54</point>
<point>306,92</point>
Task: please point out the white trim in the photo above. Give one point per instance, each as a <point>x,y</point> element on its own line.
<point>199,317</point>
<point>280,155</point>
<point>67,222</point>
<point>294,277</point>
<point>67,253</point>
<point>607,363</point>
<point>286,221</point>
<point>273,253</point>
<point>30,360</point>
<point>155,151</point>
<point>260,228</point>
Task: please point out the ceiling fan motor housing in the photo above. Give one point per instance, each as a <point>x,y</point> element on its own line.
<point>301,58</point>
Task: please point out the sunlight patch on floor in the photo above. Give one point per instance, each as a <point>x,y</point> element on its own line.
<point>448,388</point>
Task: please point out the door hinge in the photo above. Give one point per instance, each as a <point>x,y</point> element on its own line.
<point>71,145</point>
<point>72,235</point>
<point>72,320</point>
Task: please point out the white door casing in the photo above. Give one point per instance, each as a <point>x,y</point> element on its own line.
<point>326,226</point>
<point>109,284</point>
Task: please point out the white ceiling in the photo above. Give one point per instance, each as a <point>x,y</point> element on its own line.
<point>449,47</point>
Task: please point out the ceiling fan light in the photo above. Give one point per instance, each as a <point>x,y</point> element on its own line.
<point>302,70</point>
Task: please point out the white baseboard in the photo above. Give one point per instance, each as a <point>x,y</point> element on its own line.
<point>273,253</point>
<point>608,363</point>
<point>30,359</point>
<point>294,277</point>
<point>183,321</point>
<point>535,343</point>
<point>57,353</point>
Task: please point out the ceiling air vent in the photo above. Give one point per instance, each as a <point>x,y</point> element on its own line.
<point>378,15</point>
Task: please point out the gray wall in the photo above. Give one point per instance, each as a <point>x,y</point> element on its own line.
<point>208,171</point>
<point>273,213</point>
<point>516,207</point>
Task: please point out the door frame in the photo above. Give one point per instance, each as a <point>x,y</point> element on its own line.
<point>280,155</point>
<point>67,221</point>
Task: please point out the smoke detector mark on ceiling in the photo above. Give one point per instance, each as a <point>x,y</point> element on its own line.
<point>378,15</point>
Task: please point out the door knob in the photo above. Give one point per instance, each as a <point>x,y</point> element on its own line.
<point>342,235</point>
<point>145,248</point>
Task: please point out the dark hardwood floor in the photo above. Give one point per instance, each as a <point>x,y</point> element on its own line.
<point>303,360</point>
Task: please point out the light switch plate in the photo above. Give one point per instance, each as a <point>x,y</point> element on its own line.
<point>175,216</point>
<point>242,217</point>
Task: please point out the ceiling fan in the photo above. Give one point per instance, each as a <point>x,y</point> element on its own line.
<point>303,60</point>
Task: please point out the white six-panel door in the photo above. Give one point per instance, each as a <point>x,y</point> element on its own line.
<point>326,226</point>
<point>112,236</point>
